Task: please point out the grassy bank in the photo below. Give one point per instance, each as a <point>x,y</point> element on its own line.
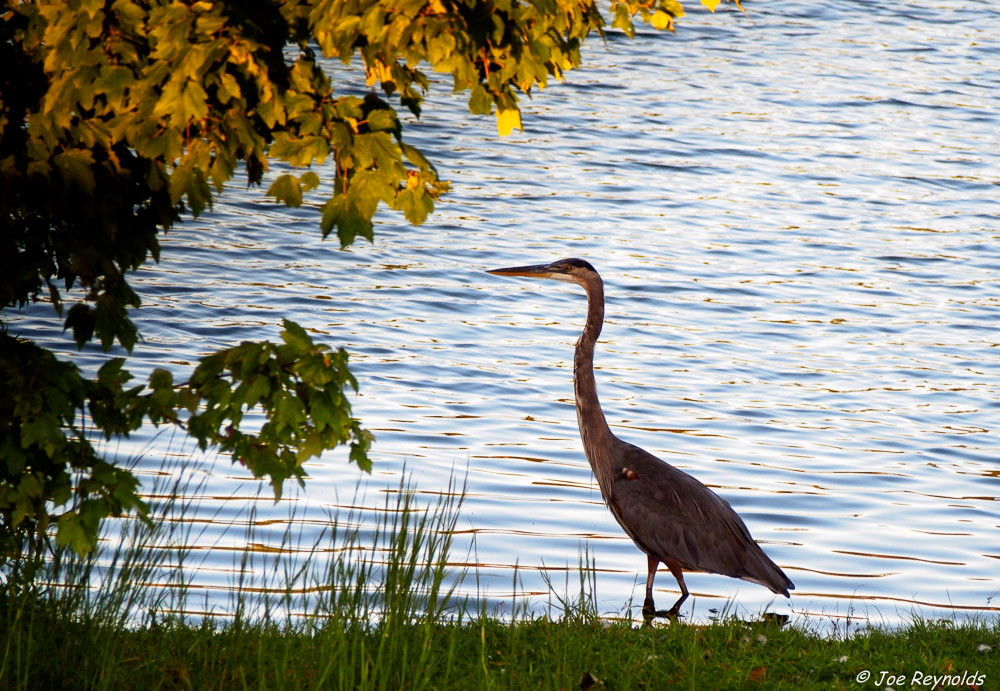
<point>375,610</point>
<point>57,652</point>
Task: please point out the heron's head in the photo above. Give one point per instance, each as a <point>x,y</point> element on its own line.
<point>569,270</point>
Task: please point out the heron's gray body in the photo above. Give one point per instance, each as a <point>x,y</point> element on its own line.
<point>672,517</point>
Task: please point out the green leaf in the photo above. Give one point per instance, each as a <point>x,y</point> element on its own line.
<point>415,204</point>
<point>288,189</point>
<point>74,166</point>
<point>294,335</point>
<point>311,446</point>
<point>379,120</point>
<point>480,101</point>
<point>190,181</point>
<point>71,532</point>
<point>416,157</point>
<point>229,88</point>
<point>340,215</point>
<point>360,447</point>
<point>113,82</point>
<point>80,319</point>
<point>44,432</point>
<point>367,188</point>
<point>302,151</point>
<point>259,388</point>
<point>194,104</point>
<point>309,180</point>
<point>161,379</point>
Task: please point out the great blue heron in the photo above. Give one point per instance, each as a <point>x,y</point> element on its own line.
<point>672,517</point>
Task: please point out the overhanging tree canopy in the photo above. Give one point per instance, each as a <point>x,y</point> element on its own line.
<point>119,116</point>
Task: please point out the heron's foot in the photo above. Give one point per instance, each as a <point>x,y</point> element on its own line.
<point>775,619</point>
<point>649,612</point>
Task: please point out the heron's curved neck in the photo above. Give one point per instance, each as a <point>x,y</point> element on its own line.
<point>594,430</point>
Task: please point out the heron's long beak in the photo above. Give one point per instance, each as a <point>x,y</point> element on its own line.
<point>536,271</point>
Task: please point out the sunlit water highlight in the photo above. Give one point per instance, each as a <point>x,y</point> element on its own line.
<point>795,217</point>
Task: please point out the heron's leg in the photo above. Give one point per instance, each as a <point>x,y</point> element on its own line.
<point>648,608</point>
<point>675,569</point>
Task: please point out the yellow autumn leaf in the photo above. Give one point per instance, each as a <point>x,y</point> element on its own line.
<point>662,20</point>
<point>711,4</point>
<point>672,7</point>
<point>507,120</point>
<point>379,72</point>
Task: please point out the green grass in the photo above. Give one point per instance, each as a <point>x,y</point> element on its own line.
<point>486,653</point>
<point>376,611</point>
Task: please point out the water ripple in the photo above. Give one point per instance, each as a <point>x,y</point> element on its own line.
<point>795,214</point>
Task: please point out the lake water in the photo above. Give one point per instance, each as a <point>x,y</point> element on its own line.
<point>795,215</point>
